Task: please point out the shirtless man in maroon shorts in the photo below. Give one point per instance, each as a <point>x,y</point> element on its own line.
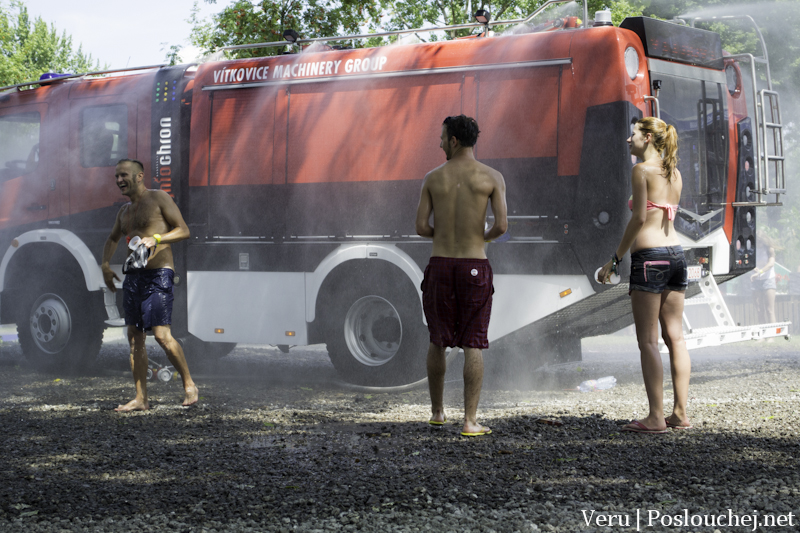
<point>457,288</point>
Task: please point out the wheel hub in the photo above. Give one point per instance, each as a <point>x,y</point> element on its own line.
<point>373,330</point>
<point>51,323</point>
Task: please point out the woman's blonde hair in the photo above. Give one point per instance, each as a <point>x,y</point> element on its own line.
<point>665,139</point>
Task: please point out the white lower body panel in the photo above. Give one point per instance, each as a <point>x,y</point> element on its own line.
<point>522,300</point>
<point>261,307</point>
<point>247,307</point>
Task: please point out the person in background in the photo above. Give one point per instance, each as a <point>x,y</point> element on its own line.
<point>763,280</point>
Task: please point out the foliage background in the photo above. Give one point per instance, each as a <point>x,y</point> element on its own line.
<point>29,48</point>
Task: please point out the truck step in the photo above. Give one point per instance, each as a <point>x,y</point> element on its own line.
<point>719,335</point>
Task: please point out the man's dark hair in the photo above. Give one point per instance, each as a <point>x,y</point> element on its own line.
<point>135,162</point>
<point>463,128</point>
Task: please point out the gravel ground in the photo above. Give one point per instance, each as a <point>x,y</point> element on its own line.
<point>276,444</point>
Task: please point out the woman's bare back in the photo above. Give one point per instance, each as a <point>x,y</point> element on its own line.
<point>658,230</point>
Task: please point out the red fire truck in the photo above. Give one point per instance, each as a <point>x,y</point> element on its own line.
<point>299,177</point>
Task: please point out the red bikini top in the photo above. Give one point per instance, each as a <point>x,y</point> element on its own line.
<point>670,209</point>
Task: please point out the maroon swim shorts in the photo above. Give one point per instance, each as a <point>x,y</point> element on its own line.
<point>457,299</point>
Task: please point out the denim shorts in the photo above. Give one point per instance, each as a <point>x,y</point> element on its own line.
<point>764,284</point>
<point>658,269</point>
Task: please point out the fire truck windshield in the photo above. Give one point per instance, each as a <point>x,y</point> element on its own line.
<point>697,109</point>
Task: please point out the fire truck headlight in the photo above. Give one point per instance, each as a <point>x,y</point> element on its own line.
<point>632,62</point>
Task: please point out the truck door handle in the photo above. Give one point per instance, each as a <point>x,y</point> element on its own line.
<point>36,207</point>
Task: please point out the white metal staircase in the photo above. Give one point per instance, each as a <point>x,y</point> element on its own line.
<point>726,331</point>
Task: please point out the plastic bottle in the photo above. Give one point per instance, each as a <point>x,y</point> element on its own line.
<point>598,384</point>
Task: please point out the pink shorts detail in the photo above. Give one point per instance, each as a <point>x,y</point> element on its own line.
<point>457,299</point>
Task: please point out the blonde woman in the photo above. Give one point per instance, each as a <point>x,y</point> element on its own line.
<point>658,271</point>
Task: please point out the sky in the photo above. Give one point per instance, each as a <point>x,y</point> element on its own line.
<point>123,33</point>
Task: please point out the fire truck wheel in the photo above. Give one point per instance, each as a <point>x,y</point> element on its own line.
<point>376,336</point>
<point>60,327</point>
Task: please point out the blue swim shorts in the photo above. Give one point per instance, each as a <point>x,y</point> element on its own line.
<point>147,298</point>
<point>658,269</point>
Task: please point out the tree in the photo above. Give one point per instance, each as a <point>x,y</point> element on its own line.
<point>29,49</point>
<point>254,21</point>
<point>247,22</point>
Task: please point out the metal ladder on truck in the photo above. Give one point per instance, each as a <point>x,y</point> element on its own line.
<point>769,169</point>
<point>726,331</point>
<point>770,179</point>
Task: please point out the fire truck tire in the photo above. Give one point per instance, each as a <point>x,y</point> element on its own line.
<point>376,337</point>
<point>60,327</point>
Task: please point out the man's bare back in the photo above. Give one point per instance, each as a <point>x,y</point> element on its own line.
<point>457,194</point>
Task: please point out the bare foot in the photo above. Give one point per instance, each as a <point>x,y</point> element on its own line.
<point>637,426</point>
<point>475,430</point>
<point>675,422</point>
<point>437,419</point>
<point>133,405</point>
<point>192,396</point>
<point>653,424</point>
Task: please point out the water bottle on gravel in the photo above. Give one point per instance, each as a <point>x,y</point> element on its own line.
<point>598,384</point>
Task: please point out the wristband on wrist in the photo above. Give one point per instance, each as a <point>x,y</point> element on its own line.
<point>614,262</point>
<point>157,237</point>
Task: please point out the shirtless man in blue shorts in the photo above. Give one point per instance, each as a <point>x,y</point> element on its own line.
<point>457,288</point>
<point>153,217</point>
